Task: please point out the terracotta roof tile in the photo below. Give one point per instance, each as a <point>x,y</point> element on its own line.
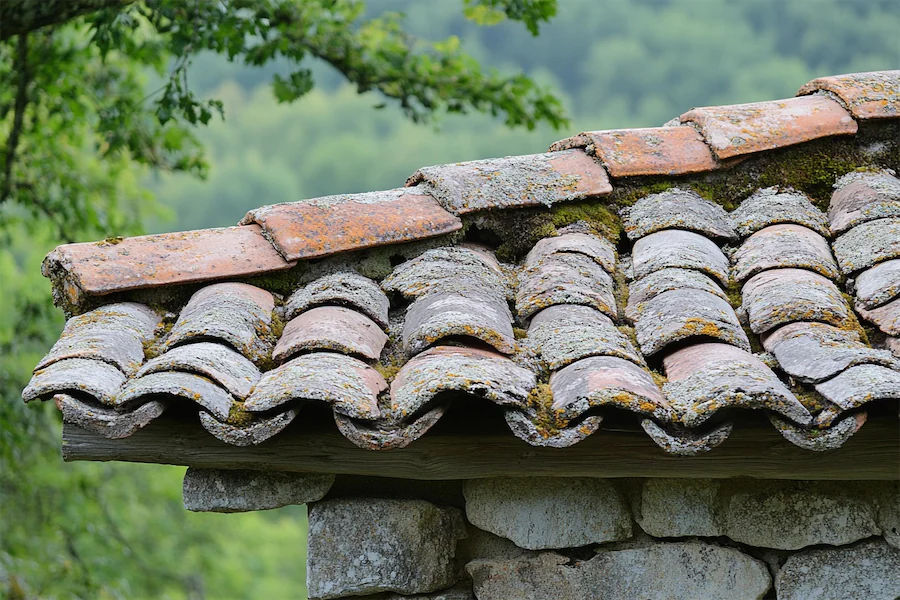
<point>652,151</point>
<point>515,181</point>
<point>746,128</point>
<point>323,226</point>
<point>572,360</point>
<point>162,260</point>
<point>873,95</point>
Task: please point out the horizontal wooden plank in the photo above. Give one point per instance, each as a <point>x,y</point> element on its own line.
<point>757,451</point>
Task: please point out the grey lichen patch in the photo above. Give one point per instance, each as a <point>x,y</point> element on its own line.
<point>345,288</point>
<point>76,376</point>
<point>676,209</point>
<point>774,206</point>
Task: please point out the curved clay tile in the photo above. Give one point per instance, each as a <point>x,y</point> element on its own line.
<point>676,209</point>
<point>819,440</point>
<point>784,246</point>
<point>597,248</point>
<point>439,316</point>
<point>872,95</point>
<point>105,421</point>
<point>885,317</point>
<point>331,328</point>
<point>678,249</point>
<point>782,296</point>
<point>861,384</point>
<point>656,283</point>
<point>534,179</point>
<point>686,313</point>
<point>447,270</point>
<point>527,428</point>
<point>814,352</point>
<point>220,363</point>
<point>256,432</point>
<point>564,333</point>
<point>388,434</point>
<point>879,284</point>
<point>565,278</point>
<point>606,381</point>
<point>863,196</point>
<point>349,385</point>
<point>686,443</point>
<point>706,378</point>
<point>341,289</point>
<point>235,313</point>
<point>868,244</point>
<point>114,333</point>
<point>448,368</point>
<point>771,206</point>
<point>97,379</point>
<point>188,386</point>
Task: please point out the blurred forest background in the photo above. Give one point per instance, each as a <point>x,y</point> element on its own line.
<point>119,530</point>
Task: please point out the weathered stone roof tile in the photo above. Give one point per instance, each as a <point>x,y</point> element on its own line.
<point>873,95</point>
<point>676,150</point>
<point>349,385</point>
<point>782,296</point>
<point>780,246</point>
<point>597,248</point>
<point>676,209</point>
<point>708,377</point>
<point>771,206</point>
<point>819,440</point>
<point>686,313</point>
<point>341,289</point>
<point>228,368</point>
<point>746,128</point>
<point>885,317</point>
<point>861,384</point>
<point>331,328</point>
<point>151,261</point>
<point>656,283</point>
<point>863,196</point>
<point>514,181</point>
<point>679,249</point>
<point>323,226</point>
<point>447,270</point>
<point>686,443</point>
<point>95,378</point>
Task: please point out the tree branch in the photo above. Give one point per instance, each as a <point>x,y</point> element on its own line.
<point>22,16</point>
<point>12,142</point>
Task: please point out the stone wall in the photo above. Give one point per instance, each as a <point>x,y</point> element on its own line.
<point>568,538</point>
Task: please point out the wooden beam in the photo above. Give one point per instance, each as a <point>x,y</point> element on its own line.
<point>872,454</point>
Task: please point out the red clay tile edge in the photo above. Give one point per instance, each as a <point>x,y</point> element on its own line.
<point>104,267</point>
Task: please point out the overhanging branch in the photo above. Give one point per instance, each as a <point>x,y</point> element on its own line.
<point>23,16</point>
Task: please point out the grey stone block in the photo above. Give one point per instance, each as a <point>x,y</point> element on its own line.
<point>684,570</point>
<point>866,571</point>
<point>679,507</point>
<point>219,490</point>
<point>538,513</point>
<point>360,546</point>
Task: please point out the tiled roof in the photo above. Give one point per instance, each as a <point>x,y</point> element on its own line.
<point>388,306</point>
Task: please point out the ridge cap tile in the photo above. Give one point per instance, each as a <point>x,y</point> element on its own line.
<point>868,95</point>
